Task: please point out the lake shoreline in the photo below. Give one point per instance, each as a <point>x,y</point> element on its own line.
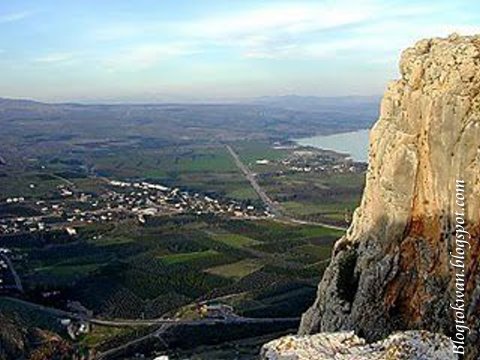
<point>353,144</point>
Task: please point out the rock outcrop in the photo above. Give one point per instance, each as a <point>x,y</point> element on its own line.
<point>409,345</point>
<point>392,271</point>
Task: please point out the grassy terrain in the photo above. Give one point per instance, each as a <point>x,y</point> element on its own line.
<point>239,269</point>
<point>263,268</point>
<point>156,268</point>
<point>64,274</point>
<point>186,258</point>
<point>207,169</point>
<point>18,184</point>
<point>134,271</point>
<point>235,240</point>
<point>124,270</point>
<point>251,151</point>
<point>27,315</point>
<point>316,196</point>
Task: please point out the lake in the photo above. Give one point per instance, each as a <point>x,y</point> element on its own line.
<point>354,143</point>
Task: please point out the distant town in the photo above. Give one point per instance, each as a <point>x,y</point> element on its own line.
<point>122,200</point>
<point>70,209</point>
<point>306,160</point>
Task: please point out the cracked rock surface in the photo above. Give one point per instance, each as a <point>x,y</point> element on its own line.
<point>409,345</point>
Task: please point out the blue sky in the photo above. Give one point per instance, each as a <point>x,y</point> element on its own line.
<point>145,50</point>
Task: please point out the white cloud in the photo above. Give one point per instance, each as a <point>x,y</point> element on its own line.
<point>13,17</point>
<point>388,38</point>
<point>117,31</point>
<point>367,27</point>
<point>291,19</point>
<point>266,31</point>
<point>55,58</point>
<point>287,30</point>
<point>319,49</point>
<point>292,30</point>
<point>146,55</point>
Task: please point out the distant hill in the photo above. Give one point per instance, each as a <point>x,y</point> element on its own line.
<point>317,102</point>
<point>364,106</point>
<point>263,118</point>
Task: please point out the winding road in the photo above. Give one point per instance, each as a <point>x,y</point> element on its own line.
<point>149,322</point>
<point>165,323</point>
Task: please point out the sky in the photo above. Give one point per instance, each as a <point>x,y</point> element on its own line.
<point>199,50</point>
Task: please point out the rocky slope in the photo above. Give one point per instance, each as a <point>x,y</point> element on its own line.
<point>392,270</point>
<point>347,346</point>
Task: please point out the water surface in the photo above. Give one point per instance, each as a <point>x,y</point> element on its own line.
<point>354,143</point>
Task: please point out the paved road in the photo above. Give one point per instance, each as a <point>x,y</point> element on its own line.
<point>271,205</point>
<point>46,309</point>
<point>274,207</point>
<point>157,333</point>
<point>66,181</point>
<point>18,282</point>
<point>165,323</point>
<point>150,322</point>
<point>162,330</point>
<point>290,220</point>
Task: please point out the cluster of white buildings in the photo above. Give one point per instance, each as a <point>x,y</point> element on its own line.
<point>307,161</point>
<point>146,198</point>
<point>120,200</point>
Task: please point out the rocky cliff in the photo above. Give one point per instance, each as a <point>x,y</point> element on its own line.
<point>392,270</point>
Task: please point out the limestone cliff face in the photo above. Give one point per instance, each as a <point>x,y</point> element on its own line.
<point>391,270</point>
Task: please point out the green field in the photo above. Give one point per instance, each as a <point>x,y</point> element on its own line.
<point>125,270</point>
<point>18,184</point>
<point>66,273</point>
<point>208,169</point>
<point>235,240</point>
<point>155,269</point>
<point>236,270</point>
<point>316,197</point>
<point>187,258</point>
<point>251,151</point>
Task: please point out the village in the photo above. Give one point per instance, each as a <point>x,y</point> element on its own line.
<point>122,200</point>
<point>307,160</point>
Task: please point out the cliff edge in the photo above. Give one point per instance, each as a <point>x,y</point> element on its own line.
<point>392,270</point>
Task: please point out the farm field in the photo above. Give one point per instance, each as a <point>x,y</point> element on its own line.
<point>201,259</point>
<point>236,270</point>
<point>328,197</point>
<point>322,197</point>
<point>170,262</point>
<point>156,269</point>
<point>316,197</point>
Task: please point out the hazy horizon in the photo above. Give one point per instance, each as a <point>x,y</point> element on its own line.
<point>120,51</point>
<point>192,101</point>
